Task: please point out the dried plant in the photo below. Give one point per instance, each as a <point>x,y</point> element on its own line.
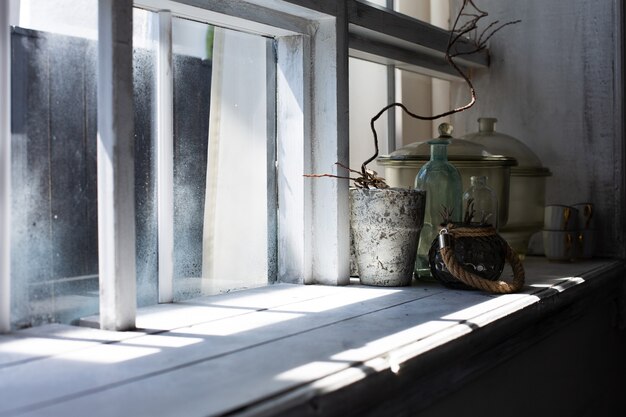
<point>465,24</point>
<point>446,214</point>
<point>469,211</point>
<point>470,214</point>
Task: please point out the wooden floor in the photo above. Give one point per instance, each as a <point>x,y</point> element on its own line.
<point>254,352</point>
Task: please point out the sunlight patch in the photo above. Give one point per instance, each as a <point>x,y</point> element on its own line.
<point>110,354</point>
<point>311,371</point>
<point>239,324</point>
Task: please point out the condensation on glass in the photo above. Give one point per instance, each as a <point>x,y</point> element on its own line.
<point>220,127</point>
<point>221,138</point>
<point>54,244</point>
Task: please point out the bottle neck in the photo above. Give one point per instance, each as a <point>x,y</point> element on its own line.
<point>478,181</point>
<point>438,152</point>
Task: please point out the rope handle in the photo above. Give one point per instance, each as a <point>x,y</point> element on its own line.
<point>471,279</point>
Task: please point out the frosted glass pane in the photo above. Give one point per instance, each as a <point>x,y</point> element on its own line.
<point>144,64</point>
<point>220,142</point>
<point>54,245</point>
<point>192,94</point>
<point>220,165</point>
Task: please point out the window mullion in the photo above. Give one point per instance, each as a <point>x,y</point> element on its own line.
<point>291,137</point>
<point>272,184</point>
<point>116,179</point>
<point>329,206</point>
<point>5,168</point>
<point>165,157</point>
<point>391,98</point>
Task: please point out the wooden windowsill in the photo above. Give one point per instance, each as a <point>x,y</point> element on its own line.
<point>287,349</point>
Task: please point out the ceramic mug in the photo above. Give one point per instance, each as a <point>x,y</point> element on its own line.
<point>585,215</point>
<point>560,217</point>
<point>560,245</point>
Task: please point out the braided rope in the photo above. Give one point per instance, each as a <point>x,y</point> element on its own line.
<point>473,280</point>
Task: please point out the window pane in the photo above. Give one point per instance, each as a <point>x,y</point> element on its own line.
<point>192,70</point>
<point>415,92</point>
<point>235,235</point>
<point>220,116</point>
<point>77,18</point>
<point>144,68</point>
<point>365,103</point>
<point>54,258</point>
<point>422,94</point>
<point>435,12</point>
<point>417,9</point>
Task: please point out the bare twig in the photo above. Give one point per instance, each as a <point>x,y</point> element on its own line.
<point>459,30</point>
<point>370,180</point>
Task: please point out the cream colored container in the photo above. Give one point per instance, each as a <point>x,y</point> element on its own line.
<point>527,185</point>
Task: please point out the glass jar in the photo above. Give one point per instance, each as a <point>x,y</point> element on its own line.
<point>483,202</point>
<point>442,183</point>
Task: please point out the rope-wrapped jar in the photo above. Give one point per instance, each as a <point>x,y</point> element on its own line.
<point>473,257</point>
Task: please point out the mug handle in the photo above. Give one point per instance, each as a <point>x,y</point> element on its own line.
<point>567,213</point>
<point>568,242</point>
<point>588,213</point>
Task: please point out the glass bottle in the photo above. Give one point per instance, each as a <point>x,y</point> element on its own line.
<point>442,183</point>
<point>484,202</point>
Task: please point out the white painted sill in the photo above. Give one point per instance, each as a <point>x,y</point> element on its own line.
<point>274,350</point>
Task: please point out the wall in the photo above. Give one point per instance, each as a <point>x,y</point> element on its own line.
<point>554,83</point>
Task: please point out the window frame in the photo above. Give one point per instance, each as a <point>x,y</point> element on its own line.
<point>5,168</point>
<point>314,40</point>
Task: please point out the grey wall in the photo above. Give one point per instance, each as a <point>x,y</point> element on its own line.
<point>555,83</point>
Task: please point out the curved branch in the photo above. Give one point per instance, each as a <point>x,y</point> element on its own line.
<point>367,178</point>
<point>456,33</point>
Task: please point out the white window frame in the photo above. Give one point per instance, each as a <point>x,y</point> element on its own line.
<point>5,168</point>
<point>314,41</point>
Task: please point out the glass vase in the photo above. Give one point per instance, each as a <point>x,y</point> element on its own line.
<point>442,183</point>
<point>482,202</point>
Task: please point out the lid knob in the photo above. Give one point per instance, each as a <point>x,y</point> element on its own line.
<point>487,124</point>
<point>445,130</point>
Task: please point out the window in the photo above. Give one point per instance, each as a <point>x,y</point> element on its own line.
<point>54,257</point>
<point>278,89</point>
<point>414,86</point>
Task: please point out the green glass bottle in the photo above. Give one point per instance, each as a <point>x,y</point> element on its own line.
<point>444,191</point>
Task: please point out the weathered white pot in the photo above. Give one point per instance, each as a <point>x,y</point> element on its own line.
<point>385,226</point>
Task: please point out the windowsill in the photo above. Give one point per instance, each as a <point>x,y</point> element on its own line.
<point>285,347</point>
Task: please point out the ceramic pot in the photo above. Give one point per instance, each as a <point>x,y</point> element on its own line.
<point>385,226</point>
